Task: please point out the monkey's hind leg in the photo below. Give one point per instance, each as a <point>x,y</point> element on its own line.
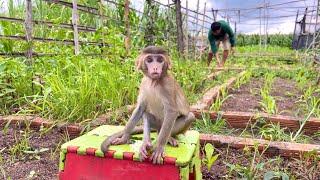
<point>119,138</point>
<point>181,125</point>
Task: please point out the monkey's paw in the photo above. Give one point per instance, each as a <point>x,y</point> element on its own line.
<point>145,147</point>
<point>122,140</point>
<point>157,155</point>
<point>173,142</point>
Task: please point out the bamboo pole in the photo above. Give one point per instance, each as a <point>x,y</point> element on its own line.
<point>75,26</point>
<point>179,27</point>
<point>316,25</point>
<point>102,20</point>
<point>196,32</point>
<point>28,27</point>
<point>127,26</point>
<point>202,33</point>
<point>187,31</point>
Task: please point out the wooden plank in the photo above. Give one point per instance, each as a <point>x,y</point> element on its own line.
<point>209,97</point>
<point>75,27</point>
<point>236,119</point>
<point>285,149</point>
<point>214,74</point>
<point>25,120</point>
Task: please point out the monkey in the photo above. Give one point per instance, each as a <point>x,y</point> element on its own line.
<point>161,104</point>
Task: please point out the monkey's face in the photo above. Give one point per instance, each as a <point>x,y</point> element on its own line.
<point>155,65</point>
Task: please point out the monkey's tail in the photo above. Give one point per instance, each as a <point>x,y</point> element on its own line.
<point>108,141</point>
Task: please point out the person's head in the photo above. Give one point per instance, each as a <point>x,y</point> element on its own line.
<point>216,28</point>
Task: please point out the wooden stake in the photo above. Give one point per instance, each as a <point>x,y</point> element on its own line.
<point>187,30</point>
<point>179,26</point>
<point>196,32</point>
<point>127,24</point>
<point>75,26</point>
<point>28,27</point>
<point>202,28</point>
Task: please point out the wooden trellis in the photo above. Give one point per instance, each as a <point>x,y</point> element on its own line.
<point>76,27</point>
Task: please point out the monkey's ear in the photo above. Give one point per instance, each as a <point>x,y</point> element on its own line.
<point>139,61</point>
<point>168,60</point>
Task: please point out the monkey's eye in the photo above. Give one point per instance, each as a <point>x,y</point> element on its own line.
<point>149,60</point>
<point>159,60</point>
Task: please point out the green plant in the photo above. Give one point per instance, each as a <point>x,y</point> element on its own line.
<point>209,158</point>
<point>274,174</point>
<point>35,153</point>
<point>243,79</point>
<point>257,165</point>
<point>268,102</point>
<point>219,100</point>
<point>206,125</point>
<point>273,132</point>
<point>302,123</point>
<point>17,150</point>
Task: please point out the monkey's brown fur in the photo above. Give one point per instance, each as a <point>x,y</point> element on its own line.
<point>161,104</point>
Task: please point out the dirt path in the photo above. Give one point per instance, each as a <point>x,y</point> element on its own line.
<point>246,98</point>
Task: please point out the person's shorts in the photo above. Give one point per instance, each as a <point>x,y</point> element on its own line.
<point>225,43</point>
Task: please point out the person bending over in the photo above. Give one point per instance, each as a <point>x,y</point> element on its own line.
<point>220,31</point>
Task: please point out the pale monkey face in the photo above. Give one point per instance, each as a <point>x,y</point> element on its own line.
<point>155,65</point>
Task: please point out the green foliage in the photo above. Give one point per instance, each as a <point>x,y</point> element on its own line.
<point>282,40</point>
<point>273,132</point>
<point>220,99</point>
<point>210,159</point>
<point>268,102</point>
<point>256,166</point>
<point>273,174</point>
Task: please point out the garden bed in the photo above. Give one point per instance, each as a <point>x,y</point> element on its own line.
<point>230,163</point>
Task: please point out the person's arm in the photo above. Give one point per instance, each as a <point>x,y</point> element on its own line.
<point>212,42</point>
<point>232,38</point>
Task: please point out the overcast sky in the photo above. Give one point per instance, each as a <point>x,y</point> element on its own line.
<point>281,19</point>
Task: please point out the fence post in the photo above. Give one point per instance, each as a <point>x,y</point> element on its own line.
<point>102,20</point>
<point>202,28</point>
<point>196,35</point>
<point>75,26</point>
<point>179,26</point>
<point>28,27</point>
<point>127,24</point>
<point>187,31</point>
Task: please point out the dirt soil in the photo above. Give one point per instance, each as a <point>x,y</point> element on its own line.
<point>246,98</point>
<point>241,162</point>
<point>287,95</point>
<point>21,165</point>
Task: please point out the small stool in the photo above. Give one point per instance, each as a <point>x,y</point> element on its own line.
<point>82,158</point>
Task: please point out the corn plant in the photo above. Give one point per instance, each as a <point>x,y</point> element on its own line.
<point>209,158</point>
<point>222,96</point>
<point>273,132</point>
<point>255,167</point>
<point>268,102</point>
